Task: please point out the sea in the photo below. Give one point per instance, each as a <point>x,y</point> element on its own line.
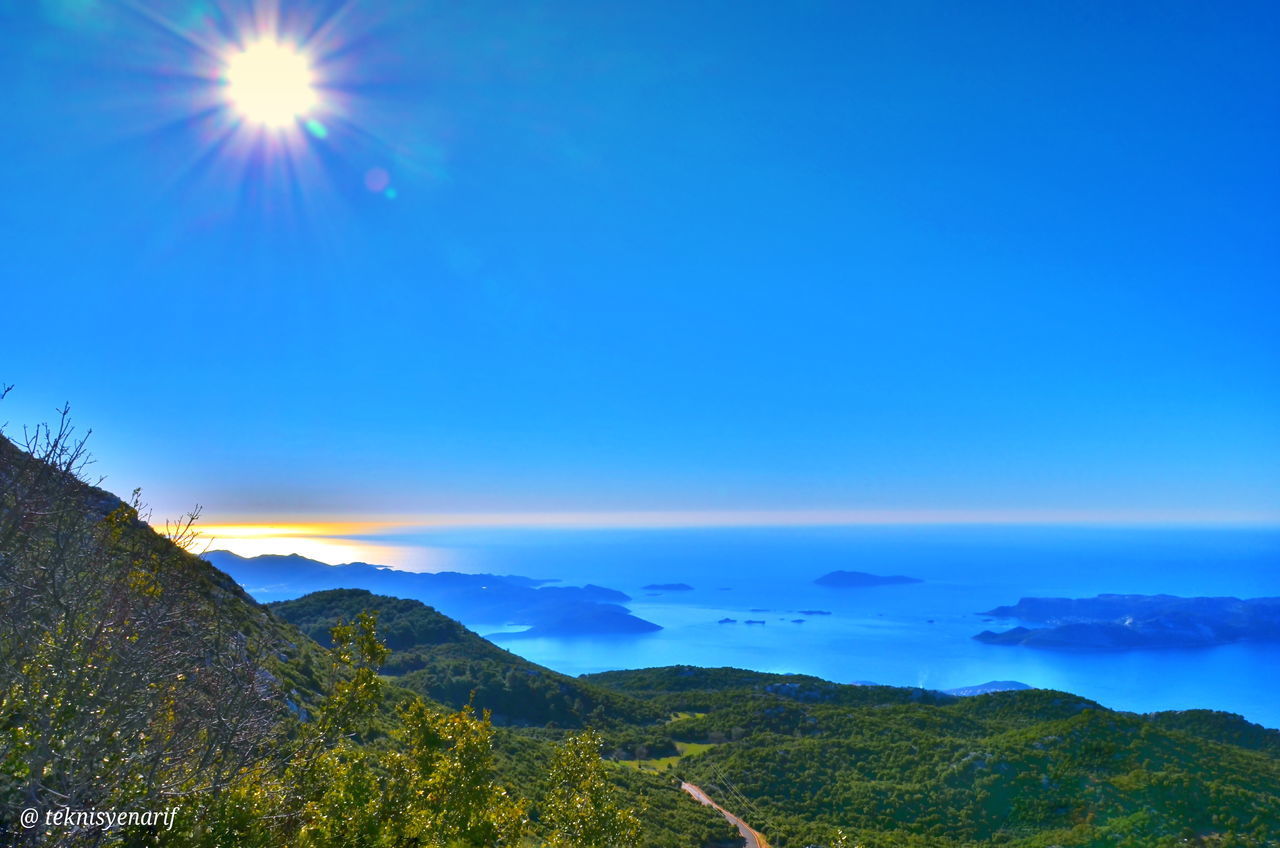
<point>917,634</point>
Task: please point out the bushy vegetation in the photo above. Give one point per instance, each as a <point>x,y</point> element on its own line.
<point>580,807</point>
<point>434,785</point>
<point>128,669</point>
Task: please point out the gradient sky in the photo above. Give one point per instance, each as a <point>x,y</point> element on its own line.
<point>669,256</point>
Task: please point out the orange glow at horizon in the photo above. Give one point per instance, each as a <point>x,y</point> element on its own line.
<point>332,542</point>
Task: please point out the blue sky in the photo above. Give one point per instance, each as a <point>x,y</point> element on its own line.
<point>655,256</point>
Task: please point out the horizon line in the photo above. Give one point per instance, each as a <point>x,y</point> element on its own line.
<point>359,524</point>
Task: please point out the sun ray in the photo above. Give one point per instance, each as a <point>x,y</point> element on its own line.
<point>324,26</point>
<point>212,49</point>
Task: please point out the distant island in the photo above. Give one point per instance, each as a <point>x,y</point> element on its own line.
<point>1132,622</point>
<point>668,587</point>
<point>861,579</point>
<point>595,621</point>
<point>815,612</point>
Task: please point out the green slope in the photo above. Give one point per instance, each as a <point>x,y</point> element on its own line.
<point>438,657</point>
<point>898,767</point>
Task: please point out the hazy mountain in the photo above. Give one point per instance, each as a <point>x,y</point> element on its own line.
<point>479,599</point>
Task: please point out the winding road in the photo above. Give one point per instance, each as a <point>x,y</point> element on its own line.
<point>753,837</point>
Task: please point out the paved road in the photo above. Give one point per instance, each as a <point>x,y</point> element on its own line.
<point>753,837</point>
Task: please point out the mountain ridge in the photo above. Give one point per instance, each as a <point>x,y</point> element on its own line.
<point>490,599</point>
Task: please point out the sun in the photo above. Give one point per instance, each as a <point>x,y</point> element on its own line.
<point>270,84</point>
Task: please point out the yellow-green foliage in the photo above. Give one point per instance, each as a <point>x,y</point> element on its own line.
<point>581,808</point>
<point>434,787</point>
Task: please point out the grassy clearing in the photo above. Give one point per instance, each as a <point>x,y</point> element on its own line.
<point>686,749</point>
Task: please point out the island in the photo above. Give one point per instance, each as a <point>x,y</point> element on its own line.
<point>727,621</point>
<point>815,612</point>
<point>596,621</point>
<point>861,579</point>
<point>668,587</point>
<point>1133,622</point>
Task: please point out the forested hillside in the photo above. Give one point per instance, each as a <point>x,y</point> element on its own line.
<point>436,656</point>
<point>902,767</point>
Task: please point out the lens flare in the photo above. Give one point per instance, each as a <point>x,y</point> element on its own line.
<point>270,84</point>
<point>278,103</point>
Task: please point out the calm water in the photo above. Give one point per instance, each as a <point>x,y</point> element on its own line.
<point>884,634</point>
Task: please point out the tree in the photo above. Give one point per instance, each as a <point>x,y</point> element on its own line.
<point>580,808</point>
<point>434,787</point>
<point>446,761</point>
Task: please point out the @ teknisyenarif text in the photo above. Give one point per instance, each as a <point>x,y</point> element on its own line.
<point>105,819</point>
